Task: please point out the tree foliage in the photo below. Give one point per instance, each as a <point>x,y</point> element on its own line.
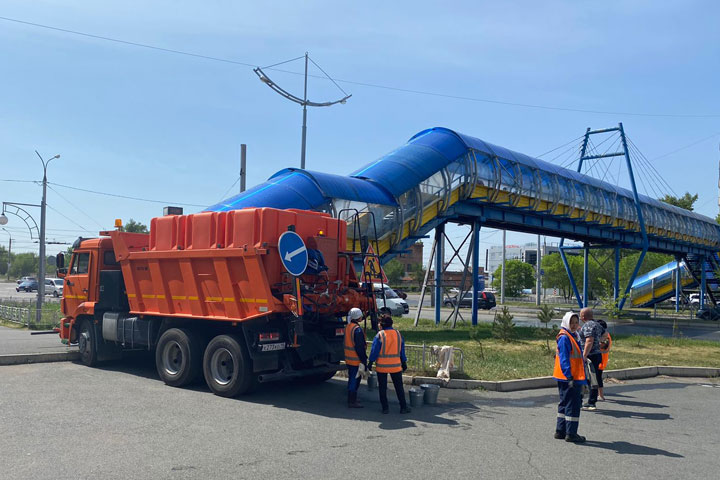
<point>503,327</point>
<point>418,274</point>
<point>687,201</point>
<point>134,227</point>
<point>518,275</point>
<point>394,271</point>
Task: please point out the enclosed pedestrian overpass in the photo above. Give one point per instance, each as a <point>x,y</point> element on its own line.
<point>441,176</point>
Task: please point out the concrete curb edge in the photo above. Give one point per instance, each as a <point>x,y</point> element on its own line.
<point>22,359</point>
<point>548,382</point>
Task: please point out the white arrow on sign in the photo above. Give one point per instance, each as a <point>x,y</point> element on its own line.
<point>289,255</point>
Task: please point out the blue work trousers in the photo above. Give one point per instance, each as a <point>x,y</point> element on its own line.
<point>353,383</point>
<point>568,416</point>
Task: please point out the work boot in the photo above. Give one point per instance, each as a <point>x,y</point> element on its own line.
<point>405,410</point>
<point>352,400</point>
<point>574,437</point>
<point>559,435</point>
<point>386,410</point>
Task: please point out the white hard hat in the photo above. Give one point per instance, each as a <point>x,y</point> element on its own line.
<point>355,314</point>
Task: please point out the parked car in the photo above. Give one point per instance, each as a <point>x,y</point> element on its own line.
<point>54,287</point>
<point>27,286</point>
<point>683,300</point>
<point>695,299</point>
<point>485,301</point>
<point>25,279</point>
<point>392,303</point>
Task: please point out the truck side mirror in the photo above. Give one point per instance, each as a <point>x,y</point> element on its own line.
<point>60,260</point>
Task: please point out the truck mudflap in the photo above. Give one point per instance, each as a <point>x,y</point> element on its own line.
<point>289,374</point>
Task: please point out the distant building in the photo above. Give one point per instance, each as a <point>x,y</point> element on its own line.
<point>412,258</point>
<point>526,253</point>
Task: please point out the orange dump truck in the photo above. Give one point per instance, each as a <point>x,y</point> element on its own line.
<point>210,294</point>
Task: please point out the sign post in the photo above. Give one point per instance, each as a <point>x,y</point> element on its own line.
<point>294,257</point>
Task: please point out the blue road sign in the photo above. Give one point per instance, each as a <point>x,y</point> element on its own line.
<point>293,253</point>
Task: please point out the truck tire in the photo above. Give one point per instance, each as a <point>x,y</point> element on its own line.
<point>178,357</point>
<point>87,342</point>
<point>226,365</point>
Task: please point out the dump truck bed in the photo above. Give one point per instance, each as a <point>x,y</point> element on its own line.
<point>221,265</point>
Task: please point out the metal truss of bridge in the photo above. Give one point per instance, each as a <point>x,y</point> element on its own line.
<point>440,176</point>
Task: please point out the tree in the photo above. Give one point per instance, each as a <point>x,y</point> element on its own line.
<point>686,201</point>
<point>717,219</point>
<point>545,314</point>
<point>24,264</point>
<point>394,271</point>
<point>134,227</point>
<point>418,274</point>
<point>503,327</point>
<point>518,275</point>
<point>4,260</point>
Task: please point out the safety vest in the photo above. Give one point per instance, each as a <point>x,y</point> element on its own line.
<point>577,366</point>
<point>389,359</point>
<point>351,356</point>
<point>605,354</point>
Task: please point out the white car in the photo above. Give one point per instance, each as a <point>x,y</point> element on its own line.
<point>54,287</point>
<point>392,303</point>
<point>695,299</point>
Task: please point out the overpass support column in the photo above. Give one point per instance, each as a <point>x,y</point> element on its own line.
<point>677,284</point>
<point>703,283</point>
<point>439,267</point>
<point>586,290</point>
<point>616,282</point>
<point>475,271</point>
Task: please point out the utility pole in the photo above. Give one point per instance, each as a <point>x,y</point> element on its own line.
<point>41,274</point>
<point>243,166</point>
<point>9,253</point>
<point>538,281</point>
<point>301,101</point>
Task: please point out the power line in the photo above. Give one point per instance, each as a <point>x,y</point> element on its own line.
<point>367,84</point>
<point>166,202</point>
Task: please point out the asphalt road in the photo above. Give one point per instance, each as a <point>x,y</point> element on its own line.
<point>67,421</point>
<point>15,341</point>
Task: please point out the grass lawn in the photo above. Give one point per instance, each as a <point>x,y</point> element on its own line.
<point>528,356</point>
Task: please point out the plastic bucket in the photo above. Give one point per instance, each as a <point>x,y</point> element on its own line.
<point>430,393</point>
<point>372,381</point>
<point>417,396</point>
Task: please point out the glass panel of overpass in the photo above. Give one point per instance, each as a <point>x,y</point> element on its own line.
<point>487,177</point>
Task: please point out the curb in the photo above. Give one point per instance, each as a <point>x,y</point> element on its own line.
<point>549,382</point>
<point>39,358</point>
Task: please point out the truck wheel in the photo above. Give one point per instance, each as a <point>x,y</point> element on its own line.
<point>226,365</point>
<point>178,357</point>
<point>87,343</point>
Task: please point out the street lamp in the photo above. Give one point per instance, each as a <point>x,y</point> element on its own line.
<point>15,209</point>
<point>43,205</point>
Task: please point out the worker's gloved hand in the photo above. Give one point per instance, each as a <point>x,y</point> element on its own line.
<point>571,383</point>
<point>369,366</point>
<point>404,366</point>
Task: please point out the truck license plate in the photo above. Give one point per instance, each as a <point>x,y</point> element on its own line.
<point>271,347</point>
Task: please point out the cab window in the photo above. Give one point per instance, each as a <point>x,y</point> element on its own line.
<point>80,264</point>
<point>109,258</point>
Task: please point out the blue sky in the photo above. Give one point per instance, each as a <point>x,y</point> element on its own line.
<point>163,126</point>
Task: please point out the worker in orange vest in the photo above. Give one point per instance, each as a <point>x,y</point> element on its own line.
<point>388,349</point>
<point>605,344</point>
<point>569,372</point>
<point>355,354</point>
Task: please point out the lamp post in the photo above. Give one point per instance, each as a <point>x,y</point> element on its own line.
<point>27,218</point>
<point>43,204</point>
<point>9,253</point>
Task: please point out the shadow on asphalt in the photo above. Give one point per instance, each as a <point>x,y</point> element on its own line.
<point>328,399</point>
<point>627,448</point>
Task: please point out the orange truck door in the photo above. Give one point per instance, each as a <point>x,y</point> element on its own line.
<point>77,282</point>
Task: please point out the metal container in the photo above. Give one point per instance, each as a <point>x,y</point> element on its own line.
<point>430,393</point>
<point>372,381</point>
<point>416,397</point>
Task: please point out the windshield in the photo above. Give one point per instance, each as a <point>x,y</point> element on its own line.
<point>390,293</point>
<point>58,283</point>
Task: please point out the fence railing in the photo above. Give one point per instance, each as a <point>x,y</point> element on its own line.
<point>27,316</point>
<point>420,357</point>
